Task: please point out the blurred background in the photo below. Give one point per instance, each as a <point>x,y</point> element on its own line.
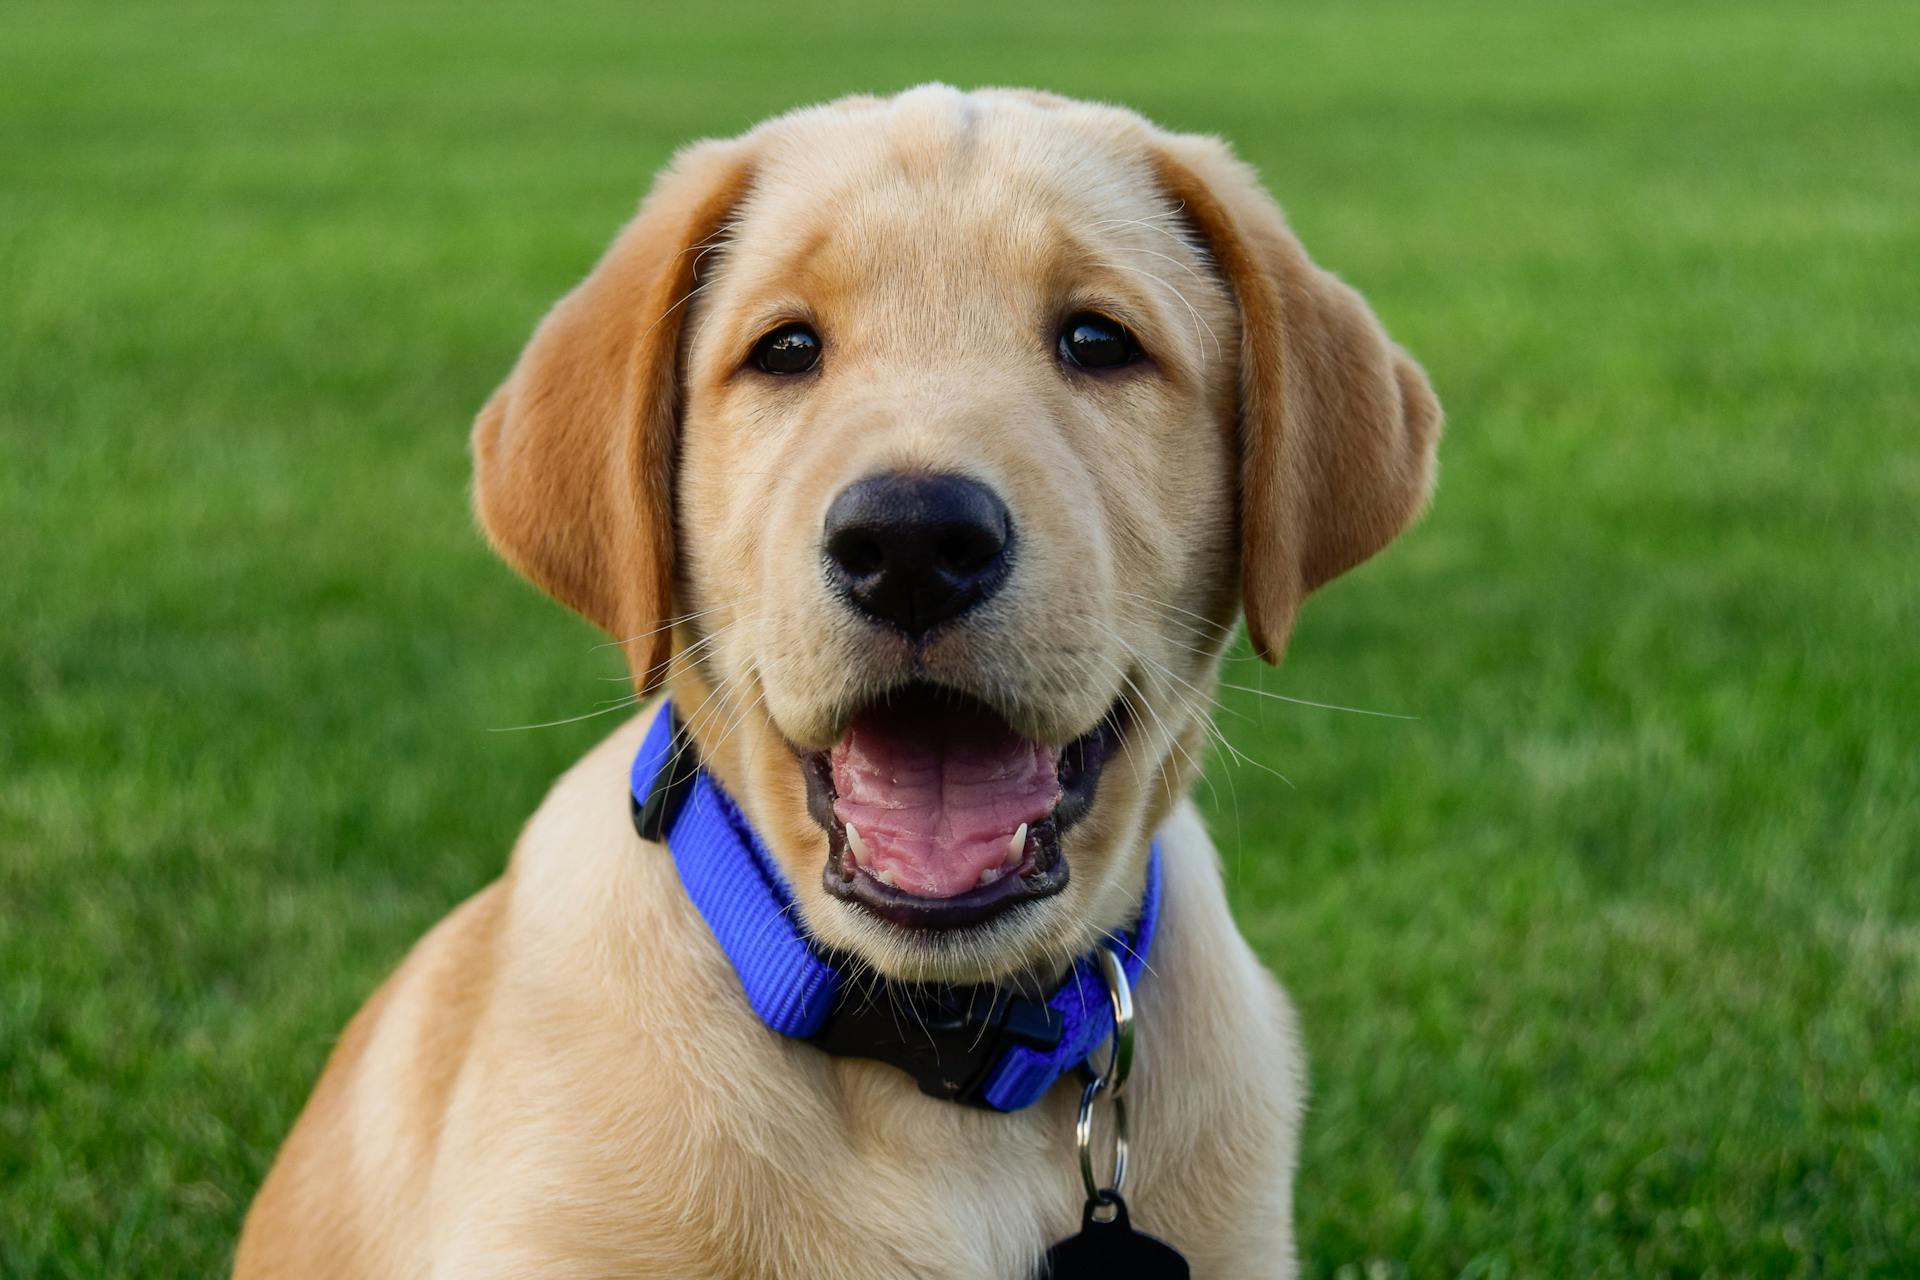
<point>1608,959</point>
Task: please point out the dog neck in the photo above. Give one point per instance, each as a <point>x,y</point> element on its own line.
<point>985,1046</point>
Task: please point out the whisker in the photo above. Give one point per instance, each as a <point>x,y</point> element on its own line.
<point>616,705</point>
<point>1200,709</point>
<point>689,295</point>
<point>668,625</point>
<point>1308,702</point>
<point>1225,629</point>
<point>1200,321</point>
<point>1134,248</point>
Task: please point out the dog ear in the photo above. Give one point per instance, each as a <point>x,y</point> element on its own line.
<point>573,455</point>
<point>1338,426</point>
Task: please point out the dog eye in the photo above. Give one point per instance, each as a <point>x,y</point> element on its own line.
<point>1092,341</point>
<point>792,348</point>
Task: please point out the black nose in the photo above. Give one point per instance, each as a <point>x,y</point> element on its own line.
<point>917,550</point>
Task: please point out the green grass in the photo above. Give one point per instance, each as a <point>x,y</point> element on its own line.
<point>1609,962</point>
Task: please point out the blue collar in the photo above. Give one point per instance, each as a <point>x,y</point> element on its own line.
<point>984,1046</point>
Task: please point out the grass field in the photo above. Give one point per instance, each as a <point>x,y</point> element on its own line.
<point>1609,961</point>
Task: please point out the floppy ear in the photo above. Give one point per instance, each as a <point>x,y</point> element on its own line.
<point>1338,425</point>
<point>573,455</point>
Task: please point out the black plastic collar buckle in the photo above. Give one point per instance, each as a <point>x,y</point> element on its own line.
<point>949,1039</point>
<point>670,788</point>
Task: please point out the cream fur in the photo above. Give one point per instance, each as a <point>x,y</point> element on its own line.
<point>563,1078</point>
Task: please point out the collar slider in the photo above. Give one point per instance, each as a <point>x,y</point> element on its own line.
<point>949,1039</point>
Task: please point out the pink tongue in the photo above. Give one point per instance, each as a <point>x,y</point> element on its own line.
<point>937,794</point>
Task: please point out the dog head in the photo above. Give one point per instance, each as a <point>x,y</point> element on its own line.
<point>925,449</point>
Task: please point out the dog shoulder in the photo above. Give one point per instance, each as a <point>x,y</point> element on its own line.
<point>356,1166</point>
<point>1226,1084</point>
<point>508,995</point>
<point>1217,977</point>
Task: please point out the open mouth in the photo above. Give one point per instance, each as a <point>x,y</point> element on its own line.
<point>939,815</point>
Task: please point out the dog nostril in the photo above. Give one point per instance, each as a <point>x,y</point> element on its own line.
<point>966,550</point>
<point>858,552</point>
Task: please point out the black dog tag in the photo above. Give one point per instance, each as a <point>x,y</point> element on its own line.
<point>1112,1250</point>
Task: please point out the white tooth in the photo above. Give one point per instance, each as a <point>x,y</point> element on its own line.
<point>1016,848</point>
<point>856,847</point>
<point>989,874</point>
<point>883,875</point>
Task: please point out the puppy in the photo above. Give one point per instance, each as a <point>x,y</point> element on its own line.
<point>923,452</point>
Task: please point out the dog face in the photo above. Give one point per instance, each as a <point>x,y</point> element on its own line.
<point>926,449</point>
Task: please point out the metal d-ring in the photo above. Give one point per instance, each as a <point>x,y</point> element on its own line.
<point>1120,995</point>
<point>1083,1139</point>
<point>1113,1082</point>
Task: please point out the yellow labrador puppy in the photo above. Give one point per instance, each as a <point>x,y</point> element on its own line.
<point>923,452</point>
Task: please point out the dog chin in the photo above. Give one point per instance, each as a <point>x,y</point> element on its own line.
<point>1023,946</point>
